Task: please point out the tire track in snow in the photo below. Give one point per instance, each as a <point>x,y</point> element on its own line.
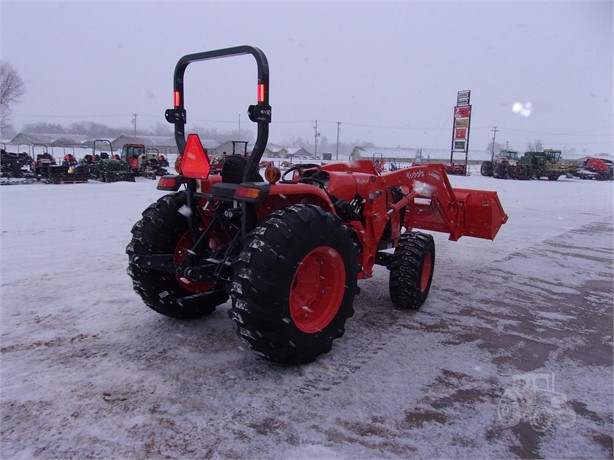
<point>545,308</point>
<point>506,304</point>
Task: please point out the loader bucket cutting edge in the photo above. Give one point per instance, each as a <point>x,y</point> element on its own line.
<point>483,216</point>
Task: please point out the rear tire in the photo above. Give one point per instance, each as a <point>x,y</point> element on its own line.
<point>294,285</point>
<point>163,230</point>
<point>525,172</point>
<point>486,169</point>
<point>500,171</point>
<point>411,270</point>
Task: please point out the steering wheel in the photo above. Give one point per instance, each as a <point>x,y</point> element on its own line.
<point>299,169</point>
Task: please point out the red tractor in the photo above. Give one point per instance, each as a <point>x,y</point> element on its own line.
<point>595,168</point>
<point>289,250</point>
<point>144,162</point>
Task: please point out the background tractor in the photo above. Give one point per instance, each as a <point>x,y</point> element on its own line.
<point>107,169</point>
<point>15,165</point>
<point>504,166</point>
<point>217,161</point>
<point>547,163</point>
<point>289,250</point>
<point>46,169</point>
<point>595,169</point>
<point>532,165</point>
<point>143,162</point>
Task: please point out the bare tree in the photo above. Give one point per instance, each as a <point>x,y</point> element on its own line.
<point>496,148</point>
<point>536,146</point>
<point>162,129</point>
<point>11,91</point>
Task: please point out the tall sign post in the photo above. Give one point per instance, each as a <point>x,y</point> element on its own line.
<point>461,126</point>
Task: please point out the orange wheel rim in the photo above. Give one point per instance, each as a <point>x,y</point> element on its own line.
<point>317,289</point>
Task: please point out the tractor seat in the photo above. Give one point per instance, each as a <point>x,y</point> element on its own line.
<point>233,168</point>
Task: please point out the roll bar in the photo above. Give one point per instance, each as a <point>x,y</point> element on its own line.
<point>259,113</point>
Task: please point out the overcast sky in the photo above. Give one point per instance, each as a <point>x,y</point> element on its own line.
<point>388,71</point>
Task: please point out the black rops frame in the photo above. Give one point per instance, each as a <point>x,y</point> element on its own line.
<point>259,113</point>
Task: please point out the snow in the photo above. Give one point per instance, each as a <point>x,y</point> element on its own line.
<point>87,370</point>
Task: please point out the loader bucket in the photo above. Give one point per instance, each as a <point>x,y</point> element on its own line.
<point>483,216</point>
<point>61,175</point>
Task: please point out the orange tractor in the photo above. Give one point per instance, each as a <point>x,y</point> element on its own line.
<point>289,250</point>
<point>144,162</point>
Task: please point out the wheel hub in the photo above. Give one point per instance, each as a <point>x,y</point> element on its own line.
<point>317,289</point>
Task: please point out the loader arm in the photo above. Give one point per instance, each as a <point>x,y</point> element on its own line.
<point>428,202</point>
<point>433,204</point>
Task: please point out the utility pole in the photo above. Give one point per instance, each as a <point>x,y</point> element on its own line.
<point>239,126</point>
<point>495,131</point>
<point>134,123</point>
<point>338,128</point>
<point>315,138</point>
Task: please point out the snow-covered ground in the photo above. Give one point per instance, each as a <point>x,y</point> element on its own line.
<point>87,370</point>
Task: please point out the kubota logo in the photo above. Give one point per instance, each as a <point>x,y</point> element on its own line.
<point>415,174</point>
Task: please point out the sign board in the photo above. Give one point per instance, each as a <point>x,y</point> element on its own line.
<point>462,112</point>
<point>460,133</point>
<point>461,124</point>
<point>462,97</point>
<point>460,129</point>
<point>459,146</point>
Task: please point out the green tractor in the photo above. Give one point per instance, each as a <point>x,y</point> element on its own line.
<point>547,163</point>
<point>108,169</point>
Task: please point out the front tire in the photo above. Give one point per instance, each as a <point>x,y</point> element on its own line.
<point>294,285</point>
<point>164,230</point>
<point>541,419</point>
<point>411,270</point>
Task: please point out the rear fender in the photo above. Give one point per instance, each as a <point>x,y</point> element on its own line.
<point>284,195</point>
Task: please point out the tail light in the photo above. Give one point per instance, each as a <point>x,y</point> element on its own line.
<point>170,183</point>
<point>252,192</point>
